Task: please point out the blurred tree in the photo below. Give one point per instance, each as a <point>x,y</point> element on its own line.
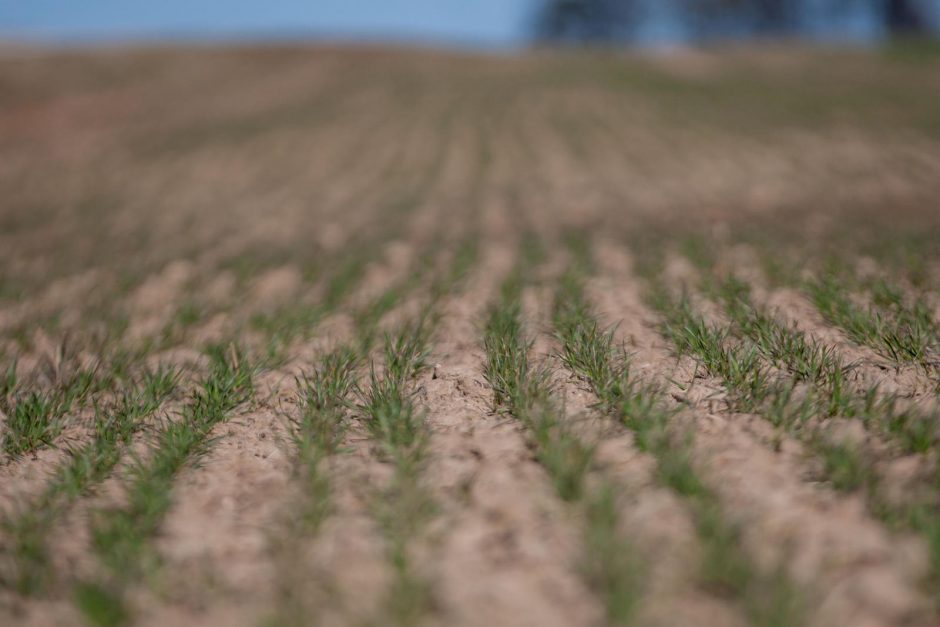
<point>606,21</point>
<point>580,21</point>
<point>907,16</point>
<point>714,18</point>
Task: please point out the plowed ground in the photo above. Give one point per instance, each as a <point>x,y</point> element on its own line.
<point>625,340</point>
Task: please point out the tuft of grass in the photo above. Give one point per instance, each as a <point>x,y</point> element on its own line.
<point>325,396</point>
<point>897,331</point>
<point>738,365</point>
<point>327,390</point>
<point>393,419</point>
<point>34,422</point>
<point>914,333</point>
<point>36,418</point>
<point>100,607</point>
<point>805,358</point>
<point>515,386</point>
<point>406,352</point>
<point>394,422</point>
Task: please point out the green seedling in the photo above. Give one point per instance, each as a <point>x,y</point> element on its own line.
<point>610,564</point>
<point>32,423</point>
<point>84,468</point>
<point>121,538</point>
<point>725,568</point>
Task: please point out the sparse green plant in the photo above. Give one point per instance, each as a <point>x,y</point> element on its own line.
<point>845,466</point>
<point>121,538</point>
<point>366,318</point>
<point>738,365</point>
<point>611,565</point>
<point>848,467</point>
<point>565,456</point>
<point>898,332</point>
<point>345,278</point>
<point>33,422</point>
<point>8,385</point>
<point>829,394</point>
<point>283,325</point>
<point>396,424</point>
<point>99,606</point>
<point>188,314</point>
<point>85,467</point>
<point>591,355</point>
<point>465,256</point>
<point>318,433</point>
<point>805,358</point>
<point>36,417</point>
<point>699,250</point>
<point>507,369</point>
<point>915,335</point>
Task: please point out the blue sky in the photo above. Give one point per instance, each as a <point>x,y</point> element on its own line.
<point>475,23</point>
<point>471,22</point>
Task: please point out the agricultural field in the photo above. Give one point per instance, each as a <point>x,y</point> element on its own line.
<point>350,336</point>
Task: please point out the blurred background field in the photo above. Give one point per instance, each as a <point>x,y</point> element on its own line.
<point>574,312</point>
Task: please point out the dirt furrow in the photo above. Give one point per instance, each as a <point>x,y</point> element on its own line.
<point>217,538</point>
<point>851,568</point>
<point>653,518</point>
<point>506,550</point>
